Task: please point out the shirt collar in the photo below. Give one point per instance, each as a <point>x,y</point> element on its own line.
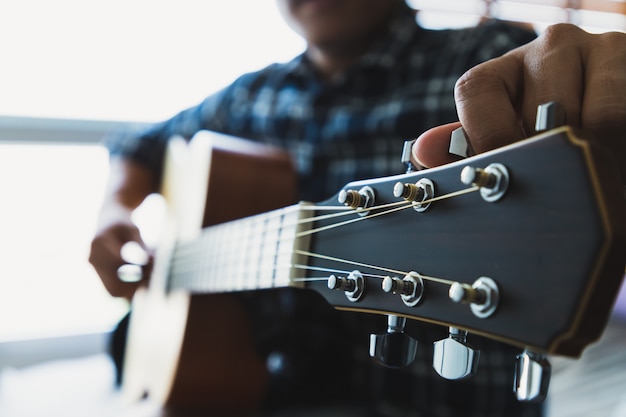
<point>383,54</point>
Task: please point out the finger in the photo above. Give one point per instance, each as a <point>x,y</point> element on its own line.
<point>497,101</point>
<point>106,257</point>
<point>604,105</point>
<point>431,148</point>
<point>486,99</point>
<point>553,70</point>
<point>106,263</point>
<point>603,116</point>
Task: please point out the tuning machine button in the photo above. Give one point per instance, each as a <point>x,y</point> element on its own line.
<point>410,288</point>
<point>358,200</point>
<point>418,193</point>
<point>459,144</point>
<point>532,376</point>
<point>483,296</point>
<point>549,116</point>
<point>394,349</point>
<point>454,358</point>
<point>353,285</point>
<point>405,158</point>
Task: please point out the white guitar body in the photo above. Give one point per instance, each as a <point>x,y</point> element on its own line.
<point>189,350</point>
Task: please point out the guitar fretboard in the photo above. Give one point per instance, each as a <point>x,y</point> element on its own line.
<point>252,253</point>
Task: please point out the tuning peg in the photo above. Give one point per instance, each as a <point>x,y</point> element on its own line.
<point>420,192</point>
<point>454,358</point>
<point>407,148</point>
<point>358,200</point>
<point>549,116</point>
<point>532,376</point>
<point>483,296</point>
<point>394,349</point>
<point>410,288</point>
<point>353,285</point>
<point>459,144</point>
<point>493,180</point>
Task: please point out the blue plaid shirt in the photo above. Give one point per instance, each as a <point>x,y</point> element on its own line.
<point>353,128</point>
<point>350,128</point>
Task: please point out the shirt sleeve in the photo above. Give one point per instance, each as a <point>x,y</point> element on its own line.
<point>147,145</point>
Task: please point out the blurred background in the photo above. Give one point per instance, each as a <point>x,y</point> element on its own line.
<point>73,70</point>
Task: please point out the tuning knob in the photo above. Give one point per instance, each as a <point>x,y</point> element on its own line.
<point>394,349</point>
<point>359,200</point>
<point>454,358</point>
<point>483,296</point>
<point>493,180</point>
<point>418,193</point>
<point>549,116</point>
<point>532,376</point>
<point>410,288</point>
<point>459,144</point>
<point>353,285</point>
<point>405,158</point>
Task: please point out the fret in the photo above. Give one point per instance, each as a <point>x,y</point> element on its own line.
<point>251,253</point>
<point>244,247</point>
<point>270,242</point>
<point>284,252</point>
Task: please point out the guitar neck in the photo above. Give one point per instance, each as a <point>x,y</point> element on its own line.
<point>256,252</point>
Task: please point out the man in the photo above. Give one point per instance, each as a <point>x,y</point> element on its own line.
<point>370,77</point>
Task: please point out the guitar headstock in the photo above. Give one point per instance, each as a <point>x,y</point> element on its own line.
<point>542,238</point>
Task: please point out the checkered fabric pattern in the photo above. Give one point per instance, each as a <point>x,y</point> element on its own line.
<point>347,129</point>
<point>353,128</point>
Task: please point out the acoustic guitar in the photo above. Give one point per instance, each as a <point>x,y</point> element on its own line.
<point>524,244</point>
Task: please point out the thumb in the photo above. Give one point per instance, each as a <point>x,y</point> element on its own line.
<point>431,148</point>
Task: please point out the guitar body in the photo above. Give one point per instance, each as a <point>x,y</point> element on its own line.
<point>195,351</point>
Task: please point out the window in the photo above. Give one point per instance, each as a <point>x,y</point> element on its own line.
<point>68,67</point>
<point>51,196</point>
<point>139,60</point>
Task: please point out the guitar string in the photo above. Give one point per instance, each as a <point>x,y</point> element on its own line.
<point>345,211</point>
<point>382,213</point>
<point>396,206</point>
<point>350,221</point>
<point>380,268</point>
<point>322,269</point>
<point>403,205</point>
<point>288,266</point>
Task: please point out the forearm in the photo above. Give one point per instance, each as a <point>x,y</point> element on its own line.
<point>129,183</point>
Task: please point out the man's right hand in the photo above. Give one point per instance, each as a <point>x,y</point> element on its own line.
<point>115,230</point>
<point>129,184</point>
